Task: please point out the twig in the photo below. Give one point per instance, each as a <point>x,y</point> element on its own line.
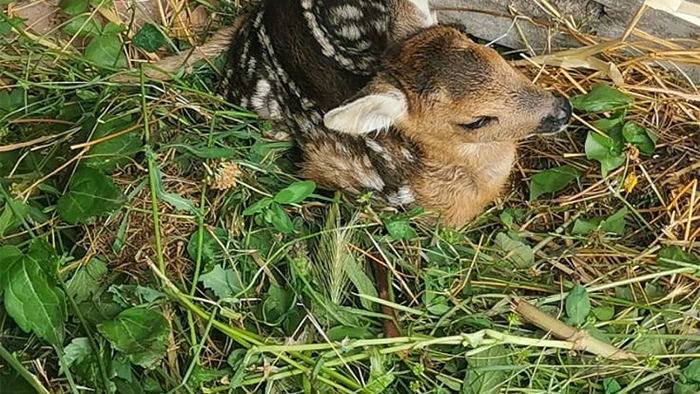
<point>580,338</point>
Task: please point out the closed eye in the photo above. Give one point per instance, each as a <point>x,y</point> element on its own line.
<point>479,123</point>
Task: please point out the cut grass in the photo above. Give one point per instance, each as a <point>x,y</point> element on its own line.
<point>250,309</point>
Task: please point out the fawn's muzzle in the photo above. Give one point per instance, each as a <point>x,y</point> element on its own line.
<point>558,119</point>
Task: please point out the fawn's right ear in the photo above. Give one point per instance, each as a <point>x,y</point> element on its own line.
<point>372,112</point>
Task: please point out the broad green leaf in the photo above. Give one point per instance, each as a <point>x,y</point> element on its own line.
<point>605,150</point>
<point>551,180</point>
<point>73,7</point>
<point>639,137</point>
<point>7,25</point>
<point>586,226</point>
<point>615,224</point>
<point>603,313</point>
<point>601,98</point>
<point>610,386</point>
<point>91,193</point>
<point>34,301</point>
<point>399,228</point>
<point>676,256</point>
<point>296,192</point>
<point>12,100</point>
<point>106,51</point>
<point>435,303</point>
<point>577,305</point>
<point>212,251</point>
<point>77,351</point>
<point>279,219</point>
<point>692,371</point>
<point>258,207</point>
<point>9,256</point>
<point>225,283</point>
<point>338,333</point>
<point>485,373</point>
<point>276,304</point>
<point>607,124</point>
<point>83,26</point>
<point>649,345</point>
<point>361,281</point>
<point>15,212</point>
<point>149,38</point>
<point>139,333</point>
<point>114,152</point>
<point>515,251</point>
<point>86,280</point>
<point>9,378</point>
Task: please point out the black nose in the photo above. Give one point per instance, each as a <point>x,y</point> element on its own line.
<point>557,120</point>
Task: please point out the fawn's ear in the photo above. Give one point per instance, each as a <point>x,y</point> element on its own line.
<point>371,112</point>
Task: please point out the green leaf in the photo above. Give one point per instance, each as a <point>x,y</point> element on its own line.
<point>34,301</point>
<point>106,51</point>
<point>9,256</point>
<point>380,377</point>
<point>73,7</point>
<point>676,256</point>
<point>149,38</point>
<point>615,224</point>
<point>12,100</point>
<point>483,374</point>
<point>692,371</point>
<point>586,226</point>
<point>7,25</point>
<point>608,124</point>
<point>551,180</point>
<point>77,351</point>
<point>603,313</point>
<point>399,228</point>
<point>515,251</point>
<point>296,192</point>
<point>601,98</point>
<point>435,303</point>
<point>91,193</point>
<point>176,201</point>
<point>639,137</point>
<point>86,280</point>
<point>225,283</point>
<point>212,250</point>
<point>139,333</point>
<point>610,386</point>
<point>82,26</point>
<point>109,154</point>
<point>277,302</point>
<point>605,150</point>
<point>338,333</point>
<point>258,207</point>
<point>577,305</point>
<point>279,219</point>
<point>361,281</point>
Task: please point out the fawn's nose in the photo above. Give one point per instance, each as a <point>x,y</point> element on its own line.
<point>558,119</point>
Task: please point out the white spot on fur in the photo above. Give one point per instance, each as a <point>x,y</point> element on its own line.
<point>346,12</point>
<point>351,32</point>
<point>262,90</point>
<point>407,154</point>
<point>372,181</point>
<point>402,196</point>
<point>373,145</point>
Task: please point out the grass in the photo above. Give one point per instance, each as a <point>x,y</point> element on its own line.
<point>146,246</point>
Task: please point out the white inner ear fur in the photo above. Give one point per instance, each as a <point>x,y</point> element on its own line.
<point>428,17</point>
<point>369,113</point>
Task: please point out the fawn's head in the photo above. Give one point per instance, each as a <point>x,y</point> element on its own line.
<point>439,87</point>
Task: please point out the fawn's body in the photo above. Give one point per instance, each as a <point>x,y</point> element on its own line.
<point>382,101</point>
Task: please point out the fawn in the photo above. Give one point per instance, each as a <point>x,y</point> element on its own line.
<point>381,99</point>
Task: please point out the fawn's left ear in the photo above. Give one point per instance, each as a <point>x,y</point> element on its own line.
<point>372,112</point>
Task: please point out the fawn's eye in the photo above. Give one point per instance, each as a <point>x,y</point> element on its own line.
<point>479,123</point>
